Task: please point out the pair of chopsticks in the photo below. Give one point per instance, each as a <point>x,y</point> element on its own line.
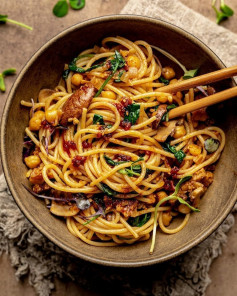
<point>198,81</point>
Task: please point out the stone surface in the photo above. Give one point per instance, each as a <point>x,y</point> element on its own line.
<point>17,45</point>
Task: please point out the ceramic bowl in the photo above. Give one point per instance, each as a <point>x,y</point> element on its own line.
<point>44,70</point>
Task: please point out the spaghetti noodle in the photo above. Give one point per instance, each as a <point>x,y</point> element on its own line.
<point>102,152</point>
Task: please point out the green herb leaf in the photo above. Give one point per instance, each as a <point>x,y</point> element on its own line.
<point>6,72</point>
<point>61,8</point>
<point>98,119</point>
<point>165,117</point>
<point>92,219</point>
<point>181,181</point>
<point>132,113</point>
<point>190,74</point>
<point>163,80</point>
<point>10,71</point>
<point>112,162</point>
<point>179,154</point>
<point>226,9</point>
<point>66,73</point>
<point>2,83</point>
<point>139,221</point>
<point>211,145</point>
<point>107,190</point>
<point>130,171</point>
<point>77,4</point>
<point>119,76</point>
<point>116,63</point>
<point>73,67</point>
<point>4,19</point>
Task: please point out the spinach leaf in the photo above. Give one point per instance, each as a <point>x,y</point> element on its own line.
<point>77,4</point>
<point>112,162</point>
<point>165,117</point>
<point>132,113</point>
<point>179,154</point>
<point>173,196</point>
<point>163,80</point>
<point>7,72</point>
<point>107,190</point>
<point>133,170</point>
<point>190,74</point>
<point>4,19</point>
<point>119,76</point>
<point>117,63</point>
<point>139,221</point>
<point>60,8</point>
<point>73,67</point>
<point>98,119</point>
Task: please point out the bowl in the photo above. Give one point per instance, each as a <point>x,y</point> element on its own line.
<point>44,70</point>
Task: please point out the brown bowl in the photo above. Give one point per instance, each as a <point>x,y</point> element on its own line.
<point>44,70</point>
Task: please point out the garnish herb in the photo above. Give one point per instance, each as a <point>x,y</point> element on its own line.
<point>173,196</point>
<point>163,80</point>
<point>66,73</point>
<point>119,76</point>
<point>4,19</point>
<point>107,190</point>
<point>165,117</point>
<point>139,221</point>
<point>98,119</point>
<point>61,8</point>
<point>112,162</point>
<point>77,4</point>
<point>73,67</point>
<point>190,74</point>
<point>132,113</point>
<point>211,145</point>
<point>117,63</point>
<point>5,73</point>
<point>224,13</point>
<point>92,219</point>
<point>133,170</point>
<point>179,154</point>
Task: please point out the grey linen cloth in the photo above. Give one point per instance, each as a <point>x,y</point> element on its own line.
<point>34,255</point>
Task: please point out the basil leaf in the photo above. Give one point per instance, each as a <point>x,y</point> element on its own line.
<point>190,74</point>
<point>163,80</point>
<point>107,190</point>
<point>179,154</point>
<point>132,113</point>
<point>211,145</point>
<point>61,8</point>
<point>77,4</point>
<point>98,119</point>
<point>226,9</point>
<point>139,221</point>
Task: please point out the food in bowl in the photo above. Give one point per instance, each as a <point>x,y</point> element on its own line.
<point>103,153</point>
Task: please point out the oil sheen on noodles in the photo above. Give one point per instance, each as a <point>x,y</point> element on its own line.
<point>121,156</point>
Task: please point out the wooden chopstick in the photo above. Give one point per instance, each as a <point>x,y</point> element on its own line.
<point>200,80</point>
<point>207,101</point>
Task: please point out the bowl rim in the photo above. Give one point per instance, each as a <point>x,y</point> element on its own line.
<point>103,19</point>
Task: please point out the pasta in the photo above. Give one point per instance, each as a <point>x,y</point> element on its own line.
<point>102,152</point>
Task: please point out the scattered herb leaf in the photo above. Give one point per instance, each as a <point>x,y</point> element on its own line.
<point>163,80</point>
<point>77,4</point>
<point>165,117</point>
<point>112,162</point>
<point>92,219</point>
<point>73,67</point>
<point>107,190</point>
<point>179,154</point>
<point>190,74</point>
<point>224,13</point>
<point>139,221</point>
<point>4,19</point>
<point>174,197</point>
<point>211,145</point>
<point>98,119</point>
<point>119,76</point>
<point>5,73</point>
<point>66,73</point>
<point>132,113</point>
<point>61,8</point>
<point>226,9</point>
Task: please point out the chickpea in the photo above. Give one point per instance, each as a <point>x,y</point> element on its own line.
<point>161,195</point>
<point>39,114</point>
<point>168,73</point>
<point>180,131</point>
<point>32,161</point>
<point>162,98</point>
<point>194,149</point>
<point>35,123</point>
<point>51,115</point>
<point>166,218</point>
<point>184,209</point>
<point>109,94</point>
<point>77,79</point>
<point>133,61</point>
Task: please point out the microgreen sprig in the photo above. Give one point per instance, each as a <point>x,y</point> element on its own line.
<point>4,19</point>
<point>173,196</point>
<point>224,12</point>
<point>61,7</point>
<point>7,72</point>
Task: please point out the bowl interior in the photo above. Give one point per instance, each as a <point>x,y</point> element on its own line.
<point>44,70</point>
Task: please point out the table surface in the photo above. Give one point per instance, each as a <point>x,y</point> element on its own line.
<point>17,46</point>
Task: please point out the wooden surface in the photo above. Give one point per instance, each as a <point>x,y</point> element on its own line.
<point>16,47</point>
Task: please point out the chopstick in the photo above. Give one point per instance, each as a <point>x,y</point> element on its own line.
<point>200,80</point>
<point>205,102</point>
